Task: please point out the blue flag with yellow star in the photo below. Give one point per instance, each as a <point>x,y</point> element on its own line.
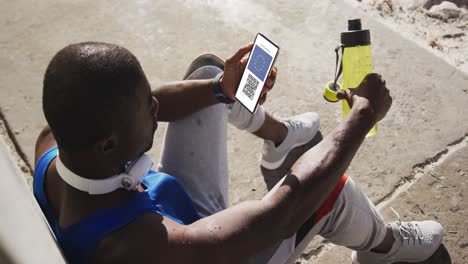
<point>259,63</point>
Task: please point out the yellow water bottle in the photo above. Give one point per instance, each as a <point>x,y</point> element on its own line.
<point>356,63</point>
<point>357,59</point>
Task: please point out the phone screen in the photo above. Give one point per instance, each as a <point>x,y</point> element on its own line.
<point>258,68</point>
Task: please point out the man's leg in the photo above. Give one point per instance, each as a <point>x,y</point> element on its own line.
<point>348,218</point>
<point>207,59</point>
<point>195,151</point>
<point>194,148</point>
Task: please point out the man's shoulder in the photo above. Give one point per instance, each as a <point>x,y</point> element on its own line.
<point>44,142</point>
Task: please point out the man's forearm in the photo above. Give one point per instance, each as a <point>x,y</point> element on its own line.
<point>179,99</point>
<point>318,171</point>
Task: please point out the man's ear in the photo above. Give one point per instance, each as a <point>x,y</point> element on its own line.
<point>107,145</point>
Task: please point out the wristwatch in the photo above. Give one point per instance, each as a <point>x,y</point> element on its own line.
<point>217,90</point>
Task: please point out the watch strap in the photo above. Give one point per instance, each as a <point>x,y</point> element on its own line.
<point>217,89</point>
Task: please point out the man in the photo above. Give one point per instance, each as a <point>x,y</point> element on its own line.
<point>102,116</point>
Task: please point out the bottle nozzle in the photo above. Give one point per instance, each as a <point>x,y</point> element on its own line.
<point>354,24</point>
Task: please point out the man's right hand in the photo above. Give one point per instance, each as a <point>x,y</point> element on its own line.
<point>373,92</point>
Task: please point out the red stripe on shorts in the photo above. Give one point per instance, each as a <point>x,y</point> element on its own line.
<point>327,206</point>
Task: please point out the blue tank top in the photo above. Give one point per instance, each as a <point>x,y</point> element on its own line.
<point>164,195</point>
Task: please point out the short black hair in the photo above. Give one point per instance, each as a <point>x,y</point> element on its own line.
<point>87,89</point>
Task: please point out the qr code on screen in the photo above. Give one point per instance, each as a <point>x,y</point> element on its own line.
<point>250,86</point>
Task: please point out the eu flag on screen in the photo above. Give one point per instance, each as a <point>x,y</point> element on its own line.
<point>259,62</point>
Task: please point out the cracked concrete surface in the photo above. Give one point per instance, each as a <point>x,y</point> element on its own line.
<point>15,151</point>
<point>430,96</point>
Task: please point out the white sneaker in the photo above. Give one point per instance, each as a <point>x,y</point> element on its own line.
<point>414,242</point>
<point>301,129</point>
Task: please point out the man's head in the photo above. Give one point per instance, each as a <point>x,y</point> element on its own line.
<point>97,100</point>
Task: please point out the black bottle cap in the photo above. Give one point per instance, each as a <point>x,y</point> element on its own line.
<point>355,36</point>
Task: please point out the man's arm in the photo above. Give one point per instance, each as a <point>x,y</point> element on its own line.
<point>235,233</point>
<point>179,99</point>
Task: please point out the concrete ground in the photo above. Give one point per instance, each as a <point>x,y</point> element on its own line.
<point>427,116</point>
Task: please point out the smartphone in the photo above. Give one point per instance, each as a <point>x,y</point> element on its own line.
<point>261,61</point>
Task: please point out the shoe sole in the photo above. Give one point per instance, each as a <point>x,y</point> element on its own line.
<point>277,164</point>
<point>440,256</point>
<point>274,165</point>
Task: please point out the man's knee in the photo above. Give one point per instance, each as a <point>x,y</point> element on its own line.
<point>207,59</point>
<point>204,72</point>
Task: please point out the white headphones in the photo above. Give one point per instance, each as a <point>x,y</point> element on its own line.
<point>128,180</point>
